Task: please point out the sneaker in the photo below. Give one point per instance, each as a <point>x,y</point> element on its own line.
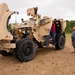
<point>47,47</point>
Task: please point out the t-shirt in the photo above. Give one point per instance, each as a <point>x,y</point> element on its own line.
<point>73,38</point>
<point>73,35</point>
<point>53,28</point>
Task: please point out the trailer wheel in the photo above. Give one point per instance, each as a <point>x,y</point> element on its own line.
<point>4,53</point>
<point>25,49</point>
<point>60,42</point>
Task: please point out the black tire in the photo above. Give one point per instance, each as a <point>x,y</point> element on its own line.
<point>4,53</point>
<point>25,50</point>
<point>60,42</point>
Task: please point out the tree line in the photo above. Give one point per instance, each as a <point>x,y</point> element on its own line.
<point>69,25</point>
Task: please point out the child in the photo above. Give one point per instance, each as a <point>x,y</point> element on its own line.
<point>73,38</point>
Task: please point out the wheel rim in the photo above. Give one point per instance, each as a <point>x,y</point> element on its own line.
<point>62,42</point>
<point>27,50</point>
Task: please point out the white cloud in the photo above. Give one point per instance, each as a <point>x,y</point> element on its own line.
<point>54,8</point>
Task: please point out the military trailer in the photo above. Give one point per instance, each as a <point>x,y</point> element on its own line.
<point>23,39</point>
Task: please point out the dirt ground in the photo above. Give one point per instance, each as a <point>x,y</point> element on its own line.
<point>47,61</point>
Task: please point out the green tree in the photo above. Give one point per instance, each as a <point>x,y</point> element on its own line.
<point>69,25</point>
<point>9,26</point>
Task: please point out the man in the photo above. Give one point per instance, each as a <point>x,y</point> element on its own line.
<point>48,37</point>
<point>54,33</point>
<point>73,38</point>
